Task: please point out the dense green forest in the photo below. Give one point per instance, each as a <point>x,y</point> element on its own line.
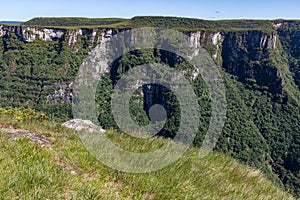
<point>263,115</point>
<point>73,21</point>
<point>153,21</point>
<point>28,72</point>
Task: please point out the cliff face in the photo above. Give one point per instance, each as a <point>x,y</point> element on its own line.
<point>248,55</point>
<point>289,35</point>
<point>66,49</point>
<point>253,57</point>
<point>31,34</point>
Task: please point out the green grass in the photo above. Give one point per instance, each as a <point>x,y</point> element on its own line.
<point>179,23</point>
<point>66,170</point>
<point>73,21</point>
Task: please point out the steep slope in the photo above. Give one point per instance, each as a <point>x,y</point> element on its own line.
<point>63,169</point>
<point>289,37</point>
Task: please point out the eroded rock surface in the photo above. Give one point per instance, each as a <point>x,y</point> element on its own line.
<point>83,125</point>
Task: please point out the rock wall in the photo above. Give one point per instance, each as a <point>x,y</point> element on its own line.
<point>30,34</point>
<point>250,55</point>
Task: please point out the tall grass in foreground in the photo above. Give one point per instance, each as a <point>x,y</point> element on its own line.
<point>64,169</point>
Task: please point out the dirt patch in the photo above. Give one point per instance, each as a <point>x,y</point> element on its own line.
<point>35,137</point>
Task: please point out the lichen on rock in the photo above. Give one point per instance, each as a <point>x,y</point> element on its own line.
<point>83,125</point>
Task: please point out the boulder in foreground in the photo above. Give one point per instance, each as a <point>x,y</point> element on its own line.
<point>83,125</point>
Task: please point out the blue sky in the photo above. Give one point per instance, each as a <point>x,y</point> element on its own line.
<point>208,9</point>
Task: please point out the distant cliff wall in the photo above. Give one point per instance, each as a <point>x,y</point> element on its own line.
<point>251,55</point>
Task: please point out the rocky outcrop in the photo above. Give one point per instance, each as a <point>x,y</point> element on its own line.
<point>30,34</point>
<point>83,125</point>
<point>207,39</point>
<point>252,56</point>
